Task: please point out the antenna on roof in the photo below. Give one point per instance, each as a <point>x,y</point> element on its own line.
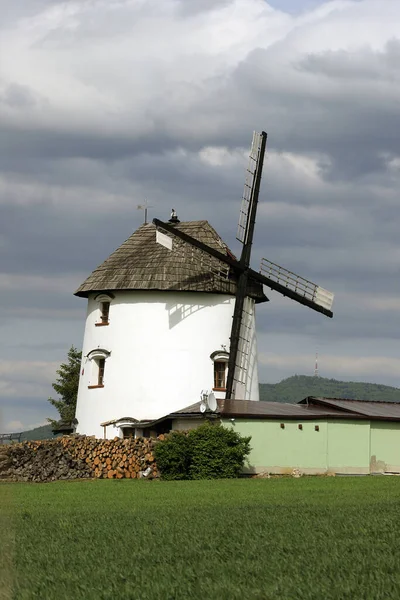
<point>144,207</point>
<point>316,365</point>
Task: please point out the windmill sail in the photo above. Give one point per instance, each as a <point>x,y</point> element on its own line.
<point>298,288</point>
<point>245,347</point>
<point>247,219</point>
<point>222,265</point>
<point>248,193</point>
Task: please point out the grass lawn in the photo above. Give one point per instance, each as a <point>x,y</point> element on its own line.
<point>320,538</point>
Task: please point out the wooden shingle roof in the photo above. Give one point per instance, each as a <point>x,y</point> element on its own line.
<point>141,263</point>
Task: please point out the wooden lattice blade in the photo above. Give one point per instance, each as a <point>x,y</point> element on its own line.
<point>295,287</point>
<point>247,198</point>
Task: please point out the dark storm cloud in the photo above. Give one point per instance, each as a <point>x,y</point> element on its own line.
<point>364,64</point>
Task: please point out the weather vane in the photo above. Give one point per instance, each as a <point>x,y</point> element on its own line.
<point>144,207</point>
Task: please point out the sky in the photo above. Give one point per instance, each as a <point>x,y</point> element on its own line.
<point>107,103</point>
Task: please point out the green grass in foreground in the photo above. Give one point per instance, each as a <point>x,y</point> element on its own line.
<point>311,538</point>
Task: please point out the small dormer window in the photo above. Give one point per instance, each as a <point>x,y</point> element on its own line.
<point>104,301</point>
<point>220,359</point>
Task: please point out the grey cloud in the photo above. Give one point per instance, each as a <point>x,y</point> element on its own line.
<point>18,96</point>
<point>360,64</point>
<point>11,12</point>
<point>30,412</point>
<point>193,7</point>
<point>350,323</point>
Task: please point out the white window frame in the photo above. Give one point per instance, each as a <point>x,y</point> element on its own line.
<point>220,356</point>
<point>95,356</point>
<point>103,299</point>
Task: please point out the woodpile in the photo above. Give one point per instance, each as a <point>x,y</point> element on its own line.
<point>5,460</point>
<point>72,457</point>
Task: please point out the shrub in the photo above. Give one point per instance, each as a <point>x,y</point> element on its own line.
<point>172,456</point>
<point>216,452</point>
<point>207,452</point>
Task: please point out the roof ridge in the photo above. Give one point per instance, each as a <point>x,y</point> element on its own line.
<point>357,400</point>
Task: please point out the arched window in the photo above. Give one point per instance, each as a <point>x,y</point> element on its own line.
<point>104,302</point>
<point>98,359</point>
<point>220,359</point>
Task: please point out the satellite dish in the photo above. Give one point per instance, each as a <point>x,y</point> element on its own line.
<point>212,402</point>
<point>203,407</point>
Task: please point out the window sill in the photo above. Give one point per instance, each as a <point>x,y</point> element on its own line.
<point>219,389</point>
<point>93,387</point>
<point>101,324</point>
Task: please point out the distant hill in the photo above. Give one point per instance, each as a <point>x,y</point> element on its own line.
<point>39,433</point>
<point>297,387</point>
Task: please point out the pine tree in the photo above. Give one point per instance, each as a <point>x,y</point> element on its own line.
<point>66,386</point>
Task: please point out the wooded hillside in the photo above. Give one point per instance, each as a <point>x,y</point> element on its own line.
<point>39,433</point>
<point>295,388</point>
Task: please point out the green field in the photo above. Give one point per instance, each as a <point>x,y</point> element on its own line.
<point>320,538</point>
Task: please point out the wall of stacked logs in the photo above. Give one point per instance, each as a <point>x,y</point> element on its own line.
<point>75,457</point>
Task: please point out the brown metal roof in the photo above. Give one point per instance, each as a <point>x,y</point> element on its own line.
<point>310,408</point>
<point>264,410</point>
<point>374,410</point>
<point>141,263</point>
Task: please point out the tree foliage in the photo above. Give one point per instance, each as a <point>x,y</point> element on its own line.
<point>66,386</point>
<point>210,451</point>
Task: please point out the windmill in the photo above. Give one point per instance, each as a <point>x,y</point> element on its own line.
<point>271,275</point>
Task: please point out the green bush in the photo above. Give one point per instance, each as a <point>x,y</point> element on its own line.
<point>207,452</point>
<point>172,456</point>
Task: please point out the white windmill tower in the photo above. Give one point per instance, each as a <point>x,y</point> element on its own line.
<point>172,312</point>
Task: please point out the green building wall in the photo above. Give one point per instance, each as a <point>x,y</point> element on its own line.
<point>348,446</point>
<point>385,446</point>
<point>320,446</point>
<point>280,450</point>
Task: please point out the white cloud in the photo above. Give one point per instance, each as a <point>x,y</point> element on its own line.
<point>90,64</point>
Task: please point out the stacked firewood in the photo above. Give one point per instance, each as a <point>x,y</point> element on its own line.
<point>117,458</point>
<point>72,457</point>
<point>5,460</point>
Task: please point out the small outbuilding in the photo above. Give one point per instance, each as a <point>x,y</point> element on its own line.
<point>315,436</point>
<point>319,435</point>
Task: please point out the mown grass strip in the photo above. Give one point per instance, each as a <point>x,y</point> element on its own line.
<point>7,542</point>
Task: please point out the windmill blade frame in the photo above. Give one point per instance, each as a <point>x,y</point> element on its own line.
<point>295,287</point>
<point>248,192</point>
<point>257,153</point>
<point>274,284</point>
<point>271,275</point>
